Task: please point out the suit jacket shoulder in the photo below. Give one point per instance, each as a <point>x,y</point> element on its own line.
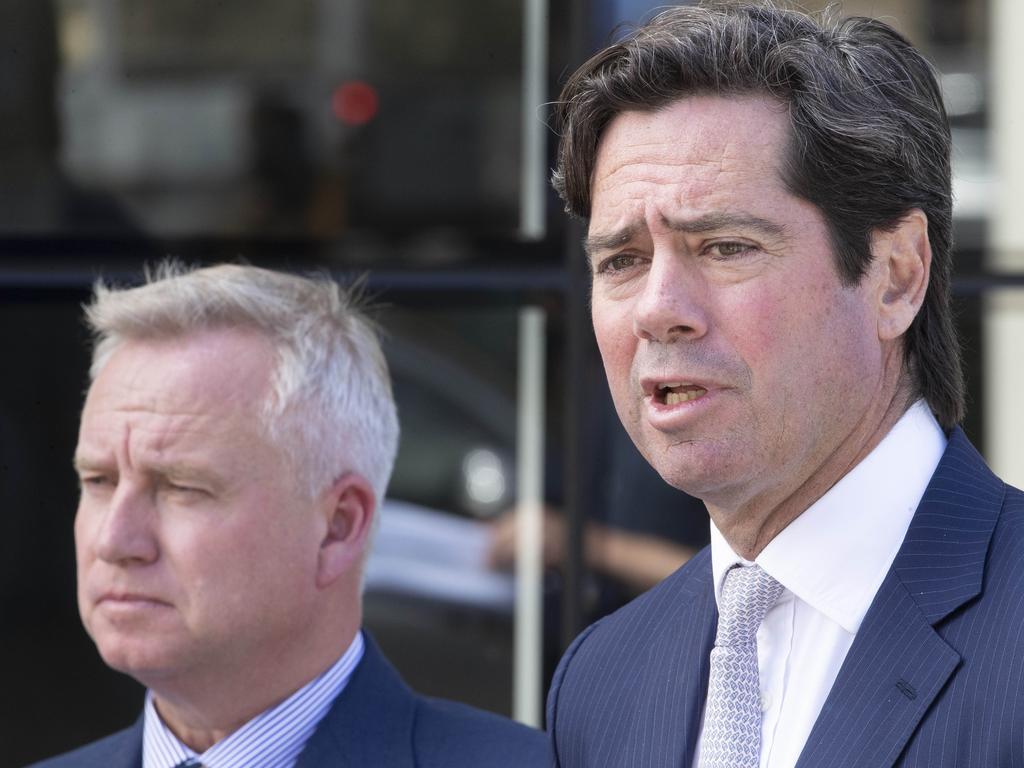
<point>377,720</point>
<point>935,676</point>
<point>119,750</point>
<point>447,733</point>
<point>630,689</point>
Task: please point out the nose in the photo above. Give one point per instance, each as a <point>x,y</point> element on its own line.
<point>671,305</point>
<point>124,532</point>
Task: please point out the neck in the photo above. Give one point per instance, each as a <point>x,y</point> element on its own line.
<point>750,526</point>
<point>210,708</point>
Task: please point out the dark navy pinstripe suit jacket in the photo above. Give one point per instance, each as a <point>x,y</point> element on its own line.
<point>934,679</point>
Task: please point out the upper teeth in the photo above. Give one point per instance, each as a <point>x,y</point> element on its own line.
<point>674,398</point>
<point>676,392</point>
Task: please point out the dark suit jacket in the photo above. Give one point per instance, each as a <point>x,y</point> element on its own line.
<point>934,679</point>
<point>376,721</point>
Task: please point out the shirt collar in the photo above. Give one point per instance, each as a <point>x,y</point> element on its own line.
<point>836,554</point>
<point>272,739</point>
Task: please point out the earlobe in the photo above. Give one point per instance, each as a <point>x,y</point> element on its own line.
<point>904,256</point>
<point>350,507</point>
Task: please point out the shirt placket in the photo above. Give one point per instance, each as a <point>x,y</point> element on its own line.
<point>774,657</point>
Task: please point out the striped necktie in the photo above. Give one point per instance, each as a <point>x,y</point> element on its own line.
<point>732,719</point>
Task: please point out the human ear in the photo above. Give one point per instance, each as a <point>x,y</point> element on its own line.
<point>349,505</point>
<point>903,258</point>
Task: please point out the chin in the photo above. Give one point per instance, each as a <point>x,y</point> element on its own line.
<point>688,468</point>
<point>141,658</point>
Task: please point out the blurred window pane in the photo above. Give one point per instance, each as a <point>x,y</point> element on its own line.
<point>250,118</point>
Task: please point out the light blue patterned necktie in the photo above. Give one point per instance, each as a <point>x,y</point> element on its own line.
<point>732,718</point>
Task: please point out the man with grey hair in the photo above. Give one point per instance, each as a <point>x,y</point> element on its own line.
<point>235,444</point>
<point>769,230</point>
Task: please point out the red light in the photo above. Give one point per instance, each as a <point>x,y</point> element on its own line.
<point>355,102</point>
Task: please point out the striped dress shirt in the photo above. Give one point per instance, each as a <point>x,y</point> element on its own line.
<point>272,739</point>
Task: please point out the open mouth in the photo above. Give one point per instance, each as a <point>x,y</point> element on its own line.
<point>674,393</point>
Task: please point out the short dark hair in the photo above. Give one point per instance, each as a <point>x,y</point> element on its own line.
<point>869,137</point>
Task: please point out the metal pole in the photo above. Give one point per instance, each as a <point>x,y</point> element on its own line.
<point>533,159</point>
<point>528,666</point>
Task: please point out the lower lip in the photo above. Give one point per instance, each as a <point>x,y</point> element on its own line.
<point>664,416</point>
<point>130,603</point>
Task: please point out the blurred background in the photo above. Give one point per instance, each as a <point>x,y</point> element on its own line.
<point>406,139</point>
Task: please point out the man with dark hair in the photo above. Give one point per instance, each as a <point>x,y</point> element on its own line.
<point>769,228</point>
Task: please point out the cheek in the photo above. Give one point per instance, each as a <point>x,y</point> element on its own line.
<point>846,332</point>
<point>215,586</point>
<point>763,327</point>
<point>254,564</point>
<point>803,343</point>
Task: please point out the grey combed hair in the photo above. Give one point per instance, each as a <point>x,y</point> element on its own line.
<point>869,139</point>
<point>329,407</point>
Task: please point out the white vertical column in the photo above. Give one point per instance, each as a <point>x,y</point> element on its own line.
<point>533,156</point>
<point>1004,309</point>
<point>528,662</point>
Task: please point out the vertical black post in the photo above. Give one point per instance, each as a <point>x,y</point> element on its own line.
<point>579,348</point>
<point>577,451</point>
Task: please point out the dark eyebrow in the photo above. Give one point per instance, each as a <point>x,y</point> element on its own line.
<point>715,221</point>
<point>710,222</point>
<point>595,243</point>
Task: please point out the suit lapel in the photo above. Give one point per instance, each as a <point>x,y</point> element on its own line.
<point>665,715</point>
<point>128,753</point>
<point>704,620</point>
<point>370,723</point>
<point>897,665</point>
<point>899,662</point>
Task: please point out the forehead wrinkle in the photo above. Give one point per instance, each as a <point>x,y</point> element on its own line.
<point>151,408</point>
<point>139,435</point>
<point>681,181</point>
<point>126,445</point>
<point>184,432</point>
<point>178,408</point>
<point>656,166</point>
<point>671,166</point>
<point>635,192</point>
<point>167,448</point>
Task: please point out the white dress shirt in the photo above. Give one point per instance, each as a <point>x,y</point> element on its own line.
<point>831,560</point>
<point>272,739</point>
